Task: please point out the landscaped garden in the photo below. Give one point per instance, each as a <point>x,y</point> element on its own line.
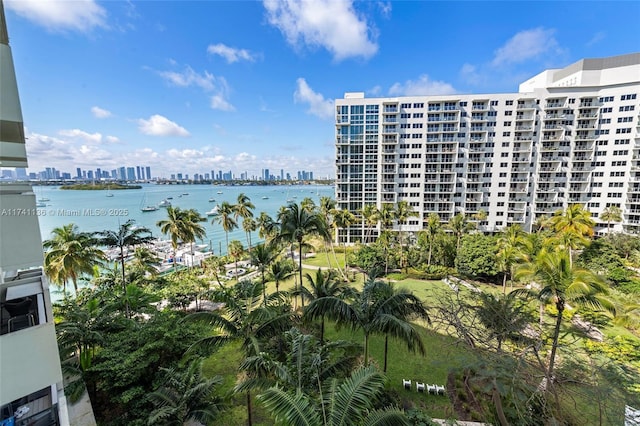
<point>518,328</point>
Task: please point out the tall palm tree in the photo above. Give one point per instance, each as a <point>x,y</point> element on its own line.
<point>343,219</point>
<point>351,402</point>
<point>562,283</point>
<point>325,284</point>
<point>249,225</point>
<point>430,232</point>
<point>296,224</point>
<point>70,254</point>
<point>510,242</point>
<point>244,209</point>
<point>611,214</point>
<point>236,251</point>
<point>242,318</point>
<point>173,226</point>
<point>371,217</point>
<point>192,228</point>
<point>126,236</point>
<point>403,212</point>
<point>573,227</point>
<point>224,217</point>
<point>267,227</point>
<point>185,395</point>
<point>263,255</point>
<point>459,225</point>
<point>375,310</point>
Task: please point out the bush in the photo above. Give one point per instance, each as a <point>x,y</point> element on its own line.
<point>429,272</point>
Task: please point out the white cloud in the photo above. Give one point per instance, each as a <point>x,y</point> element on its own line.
<point>422,86</point>
<point>100,113</point>
<point>318,105</point>
<point>205,81</point>
<point>333,25</point>
<point>93,138</point>
<point>157,125</point>
<point>220,103</point>
<point>80,134</point>
<point>78,15</point>
<point>189,77</point>
<point>525,45</point>
<point>231,54</point>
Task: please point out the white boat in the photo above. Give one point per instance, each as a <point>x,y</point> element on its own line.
<point>213,211</point>
<point>39,204</point>
<point>212,200</point>
<point>144,207</point>
<point>219,192</point>
<point>165,203</point>
<point>265,198</point>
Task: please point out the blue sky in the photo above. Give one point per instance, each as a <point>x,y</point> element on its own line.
<point>191,86</point>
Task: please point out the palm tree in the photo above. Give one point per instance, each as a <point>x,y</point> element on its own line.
<point>70,254</point>
<point>173,226</point>
<point>263,255</point>
<point>402,213</point>
<point>325,284</point>
<point>351,402</point>
<point>296,224</point>
<point>510,242</point>
<point>126,236</point>
<point>459,225</point>
<point>430,232</point>
<point>243,318</point>
<point>267,227</point>
<point>343,219</point>
<point>78,335</point>
<point>185,396</point>
<point>371,217</point>
<point>244,209</point>
<point>611,214</point>
<point>235,251</point>
<point>224,217</point>
<point>573,227</point>
<point>562,283</point>
<point>479,217</point>
<point>280,271</point>
<point>143,262</point>
<point>376,310</point>
<point>192,228</point>
<point>249,225</point>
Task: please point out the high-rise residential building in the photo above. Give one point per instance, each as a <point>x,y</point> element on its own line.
<point>567,136</point>
<point>148,170</point>
<point>30,374</point>
<point>131,173</point>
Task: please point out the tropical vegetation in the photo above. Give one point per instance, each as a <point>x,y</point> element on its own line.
<point>520,328</point>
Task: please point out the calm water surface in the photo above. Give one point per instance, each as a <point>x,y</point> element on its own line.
<point>94,211</point>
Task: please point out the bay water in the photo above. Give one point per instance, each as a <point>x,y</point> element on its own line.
<point>96,211</point>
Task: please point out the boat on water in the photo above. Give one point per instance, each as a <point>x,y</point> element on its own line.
<point>41,204</point>
<point>144,207</point>
<point>265,198</point>
<point>212,200</point>
<point>213,211</point>
<point>165,203</point>
<point>219,192</point>
<point>42,200</point>
<point>169,198</point>
<point>185,193</point>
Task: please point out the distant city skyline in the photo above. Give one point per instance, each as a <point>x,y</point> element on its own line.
<point>143,173</point>
<point>186,87</point>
